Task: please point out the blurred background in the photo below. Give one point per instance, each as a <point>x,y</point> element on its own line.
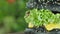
<point>12,16</point>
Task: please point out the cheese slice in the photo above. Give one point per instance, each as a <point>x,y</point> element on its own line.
<point>58,26</point>
<point>52,26</point>
<point>30,25</point>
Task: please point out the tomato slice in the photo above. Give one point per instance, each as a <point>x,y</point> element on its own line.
<point>11,1</point>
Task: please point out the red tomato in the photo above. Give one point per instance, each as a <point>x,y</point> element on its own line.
<point>11,1</point>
